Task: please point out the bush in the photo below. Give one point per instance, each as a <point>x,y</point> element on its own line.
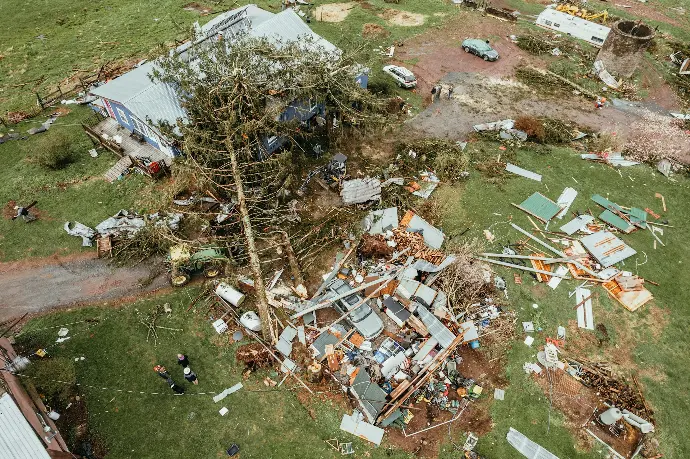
<point>49,371</point>
<point>54,151</point>
<point>532,127</point>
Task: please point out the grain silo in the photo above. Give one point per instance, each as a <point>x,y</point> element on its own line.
<point>622,51</point>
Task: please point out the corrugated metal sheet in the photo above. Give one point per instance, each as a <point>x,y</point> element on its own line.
<point>287,26</point>
<point>540,206</point>
<point>359,191</point>
<point>17,439</point>
<point>607,248</point>
<point>439,331</point>
<point>527,447</point>
<point>614,220</point>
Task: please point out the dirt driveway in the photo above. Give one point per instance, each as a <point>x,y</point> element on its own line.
<point>37,285</point>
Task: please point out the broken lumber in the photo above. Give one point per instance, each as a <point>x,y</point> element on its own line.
<point>524,268</point>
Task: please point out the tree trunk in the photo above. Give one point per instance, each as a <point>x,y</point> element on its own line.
<point>266,325</point>
<point>294,264</point>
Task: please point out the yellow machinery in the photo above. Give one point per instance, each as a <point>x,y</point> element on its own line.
<point>601,16</point>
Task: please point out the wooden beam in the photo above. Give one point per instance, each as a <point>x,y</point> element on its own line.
<point>524,268</point>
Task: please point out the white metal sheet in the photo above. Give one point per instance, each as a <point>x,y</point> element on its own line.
<point>565,200</point>
<point>18,440</point>
<point>585,318</point>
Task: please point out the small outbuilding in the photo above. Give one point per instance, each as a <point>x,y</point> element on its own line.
<point>574,26</point>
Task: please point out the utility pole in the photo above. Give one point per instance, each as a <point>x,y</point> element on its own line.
<point>269,334</point>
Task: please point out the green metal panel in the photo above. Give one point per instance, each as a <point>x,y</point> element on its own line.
<point>614,220</point>
<point>540,206</point>
<point>638,217</point>
<point>606,204</point>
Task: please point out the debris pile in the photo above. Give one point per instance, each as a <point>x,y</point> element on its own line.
<point>397,339</point>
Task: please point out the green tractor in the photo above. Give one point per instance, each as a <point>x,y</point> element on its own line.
<point>183,263</point>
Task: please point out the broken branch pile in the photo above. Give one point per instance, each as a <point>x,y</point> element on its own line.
<point>613,391</point>
<point>254,356</point>
<point>417,248</point>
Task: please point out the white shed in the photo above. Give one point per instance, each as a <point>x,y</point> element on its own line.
<point>574,26</point>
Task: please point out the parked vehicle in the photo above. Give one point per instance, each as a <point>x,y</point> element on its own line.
<point>480,48</point>
<point>183,263</point>
<point>401,75</point>
<point>363,318</point>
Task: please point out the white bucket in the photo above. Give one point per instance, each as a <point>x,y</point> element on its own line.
<point>229,294</point>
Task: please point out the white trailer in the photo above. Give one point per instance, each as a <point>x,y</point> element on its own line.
<point>574,26</point>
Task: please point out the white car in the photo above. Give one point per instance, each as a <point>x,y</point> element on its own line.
<point>402,76</point>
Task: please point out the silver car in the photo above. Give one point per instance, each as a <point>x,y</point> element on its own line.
<point>363,318</point>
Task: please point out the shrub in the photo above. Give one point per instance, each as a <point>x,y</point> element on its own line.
<point>532,126</point>
<point>49,371</point>
<point>54,151</point>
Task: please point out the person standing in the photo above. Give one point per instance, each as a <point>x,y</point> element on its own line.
<point>450,91</point>
<point>182,360</point>
<point>190,376</point>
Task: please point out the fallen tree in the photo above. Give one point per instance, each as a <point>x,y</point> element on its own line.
<point>243,98</point>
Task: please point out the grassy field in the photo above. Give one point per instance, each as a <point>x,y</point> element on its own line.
<point>77,192</point>
<point>648,343</point>
<point>265,423</point>
<point>45,42</point>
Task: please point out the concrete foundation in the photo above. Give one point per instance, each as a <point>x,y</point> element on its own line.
<point>622,51</point>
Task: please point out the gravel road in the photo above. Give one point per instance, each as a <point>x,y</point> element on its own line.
<point>37,285</point>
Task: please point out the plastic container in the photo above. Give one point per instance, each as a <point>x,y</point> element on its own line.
<point>229,294</point>
<point>474,344</point>
<point>610,416</point>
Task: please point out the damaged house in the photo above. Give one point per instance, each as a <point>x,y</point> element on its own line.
<point>138,104</point>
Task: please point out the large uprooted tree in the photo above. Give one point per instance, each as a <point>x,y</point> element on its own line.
<point>239,97</point>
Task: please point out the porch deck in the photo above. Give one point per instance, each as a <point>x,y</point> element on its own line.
<point>130,145</point>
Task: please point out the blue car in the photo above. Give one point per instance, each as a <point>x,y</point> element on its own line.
<point>480,48</point>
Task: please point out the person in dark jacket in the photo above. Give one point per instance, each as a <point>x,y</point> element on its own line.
<point>177,389</point>
<point>162,372</point>
<point>190,376</point>
<point>182,360</point>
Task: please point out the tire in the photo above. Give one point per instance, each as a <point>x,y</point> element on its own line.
<point>466,49</point>
<point>179,278</point>
<point>212,271</point>
<point>486,58</point>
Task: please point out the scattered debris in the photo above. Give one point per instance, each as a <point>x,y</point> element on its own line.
<point>540,206</point>
<point>360,191</point>
<point>527,447</point>
<point>523,172</point>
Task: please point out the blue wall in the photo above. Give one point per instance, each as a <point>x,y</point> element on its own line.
<point>124,118</point>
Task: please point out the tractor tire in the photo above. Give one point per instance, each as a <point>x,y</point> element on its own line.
<point>179,278</point>
<point>213,271</point>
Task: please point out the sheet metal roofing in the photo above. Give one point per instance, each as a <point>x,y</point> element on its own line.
<point>17,439</point>
<point>158,101</point>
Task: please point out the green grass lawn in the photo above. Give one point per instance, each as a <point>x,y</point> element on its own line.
<point>77,192</point>
<point>265,423</point>
<point>663,363</point>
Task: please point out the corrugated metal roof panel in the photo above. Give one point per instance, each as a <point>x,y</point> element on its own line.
<point>287,26</point>
<point>159,102</point>
<point>540,206</point>
<point>17,439</point>
<point>439,331</point>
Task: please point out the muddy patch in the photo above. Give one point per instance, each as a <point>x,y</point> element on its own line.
<point>402,18</point>
<point>201,9</point>
<point>333,12</point>
<point>371,30</point>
